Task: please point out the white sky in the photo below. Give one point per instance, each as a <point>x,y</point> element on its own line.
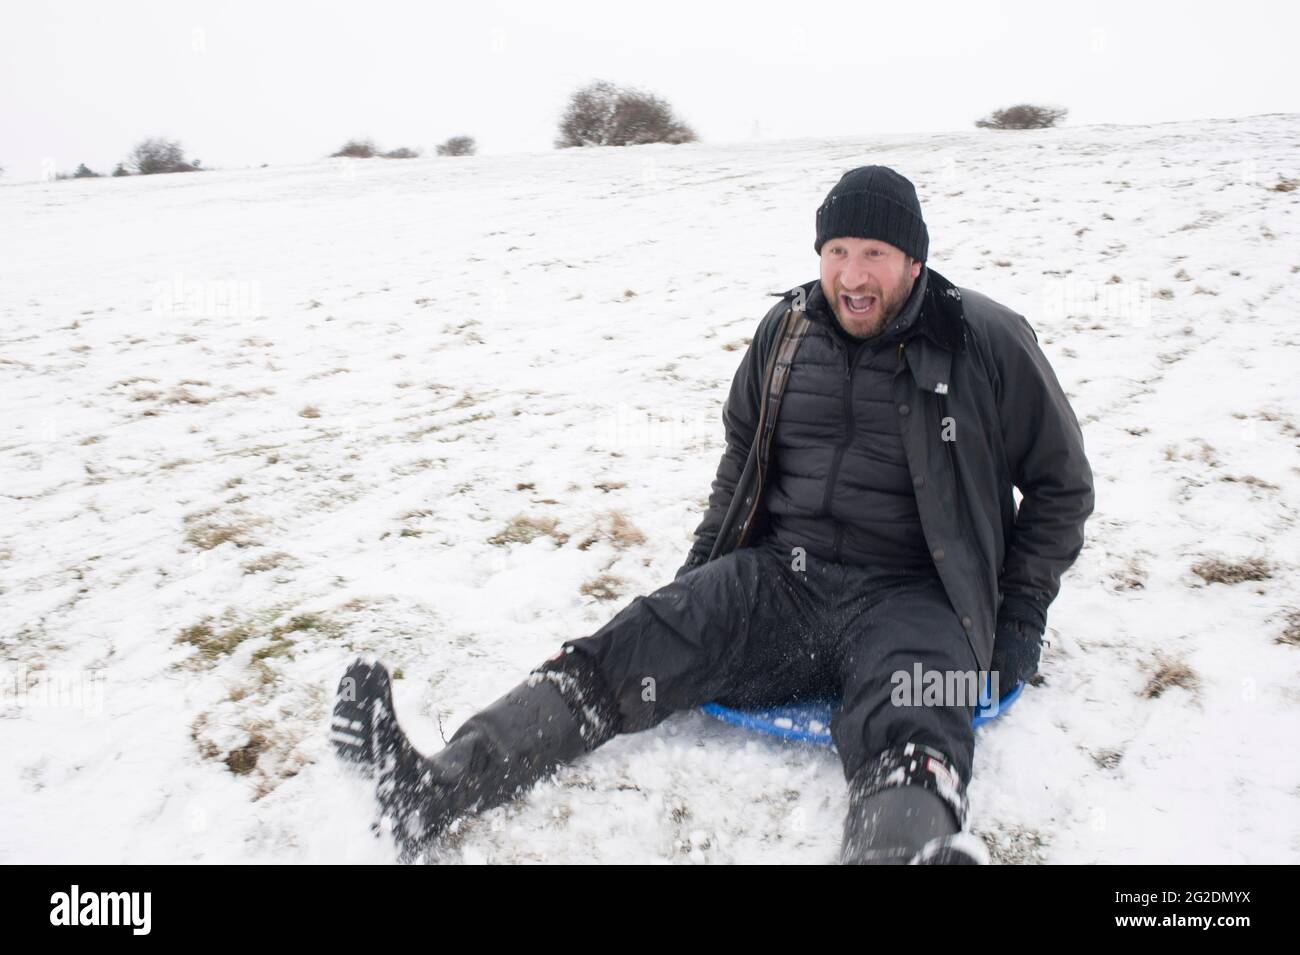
<point>241,83</point>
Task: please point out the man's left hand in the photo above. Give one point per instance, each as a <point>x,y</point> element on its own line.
<point>1016,652</point>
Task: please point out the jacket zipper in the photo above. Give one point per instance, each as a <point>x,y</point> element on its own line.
<point>849,368</point>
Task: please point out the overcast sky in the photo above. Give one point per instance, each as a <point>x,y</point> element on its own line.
<point>242,83</point>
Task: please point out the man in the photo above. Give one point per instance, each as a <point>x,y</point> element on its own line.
<point>861,528</point>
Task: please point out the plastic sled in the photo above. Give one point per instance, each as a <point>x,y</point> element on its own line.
<point>811,722</point>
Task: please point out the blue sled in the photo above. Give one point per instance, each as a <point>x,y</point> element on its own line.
<point>811,722</point>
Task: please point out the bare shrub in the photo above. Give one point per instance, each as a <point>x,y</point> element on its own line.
<point>602,114</point>
<point>402,152</point>
<point>458,146</point>
<point>356,149</point>
<point>154,156</point>
<point>1023,116</point>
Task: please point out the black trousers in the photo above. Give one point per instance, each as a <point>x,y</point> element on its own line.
<point>763,625</point>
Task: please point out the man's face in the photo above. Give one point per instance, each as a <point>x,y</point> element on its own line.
<point>866,282</point>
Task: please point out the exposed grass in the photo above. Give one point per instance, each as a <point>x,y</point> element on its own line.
<point>1015,845</point>
<point>1251,480</point>
<point>215,642</point>
<point>1216,571</point>
<point>1170,673</point>
<point>1290,635</point>
<point>1132,576</point>
<point>1107,758</point>
<point>205,532</point>
<point>604,587</point>
<point>243,760</point>
<point>613,527</point>
<point>271,561</point>
<point>523,529</point>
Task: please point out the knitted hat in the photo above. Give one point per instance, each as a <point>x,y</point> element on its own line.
<point>874,202</point>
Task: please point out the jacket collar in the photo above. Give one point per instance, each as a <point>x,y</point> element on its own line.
<point>941,317</point>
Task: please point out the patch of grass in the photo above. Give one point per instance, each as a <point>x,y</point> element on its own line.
<point>523,529</point>
<point>278,647</point>
<point>1216,571</point>
<point>1131,576</point>
<point>604,587</point>
<point>1290,635</point>
<point>1015,845</point>
<point>266,562</point>
<point>304,622</point>
<point>213,644</point>
<point>614,527</point>
<point>243,760</point>
<point>311,411</point>
<point>1251,480</point>
<point>179,396</point>
<point>1107,758</point>
<point>1170,673</point>
<point>205,535</point>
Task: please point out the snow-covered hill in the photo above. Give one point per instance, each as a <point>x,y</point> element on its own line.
<point>453,412</point>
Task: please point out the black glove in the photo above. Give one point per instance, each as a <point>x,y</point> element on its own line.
<point>1018,644</point>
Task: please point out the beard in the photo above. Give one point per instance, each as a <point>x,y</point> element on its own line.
<point>889,303</point>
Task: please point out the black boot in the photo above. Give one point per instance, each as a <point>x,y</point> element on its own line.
<point>554,716</point>
<point>907,806</point>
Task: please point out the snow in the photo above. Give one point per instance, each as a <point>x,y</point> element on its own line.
<point>284,411</point>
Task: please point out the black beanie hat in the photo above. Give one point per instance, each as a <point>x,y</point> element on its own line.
<point>874,202</point>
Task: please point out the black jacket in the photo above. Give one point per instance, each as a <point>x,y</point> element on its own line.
<point>838,485</point>
<point>980,412</point>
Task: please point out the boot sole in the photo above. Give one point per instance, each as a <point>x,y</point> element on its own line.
<point>358,724</point>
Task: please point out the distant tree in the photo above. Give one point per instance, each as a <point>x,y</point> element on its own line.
<point>121,170</point>
<point>153,156</point>
<point>402,152</point>
<point>458,146</point>
<point>1023,116</point>
<point>85,172</point>
<point>644,118</point>
<point>602,114</point>
<point>356,149</point>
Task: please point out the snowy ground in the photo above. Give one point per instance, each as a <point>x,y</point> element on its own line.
<point>255,421</point>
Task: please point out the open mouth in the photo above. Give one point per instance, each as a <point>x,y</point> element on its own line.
<point>858,304</point>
